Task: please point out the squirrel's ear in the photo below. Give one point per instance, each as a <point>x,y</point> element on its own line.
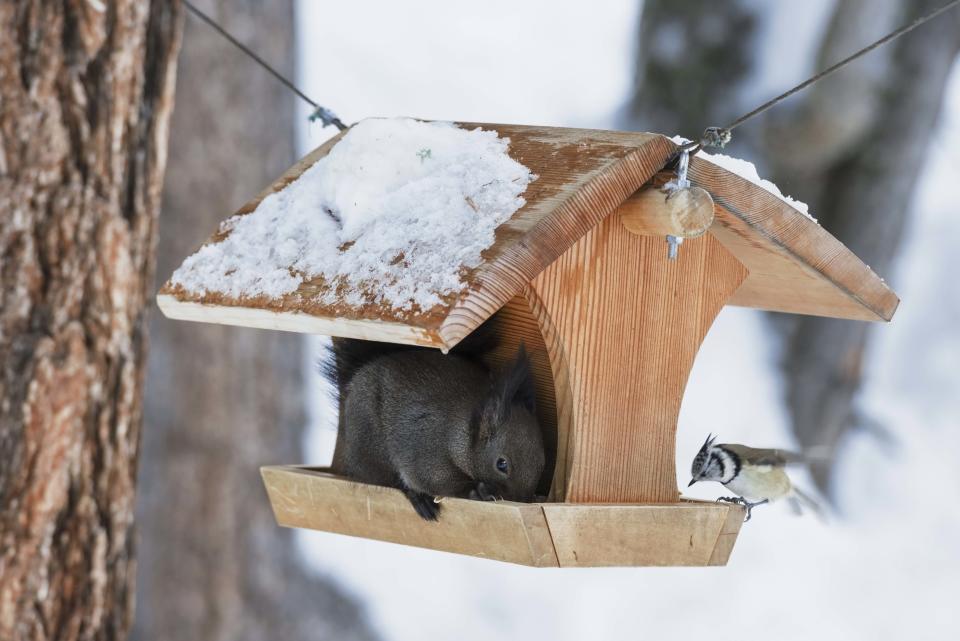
<point>518,382</point>
<point>514,385</point>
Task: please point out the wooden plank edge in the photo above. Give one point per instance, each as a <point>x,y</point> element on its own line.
<point>866,315</point>
<point>727,536</point>
<point>880,310</point>
<point>300,322</point>
<point>463,528</point>
<point>534,522</point>
<point>871,313</point>
<point>266,473</point>
<point>580,533</point>
<point>543,551</point>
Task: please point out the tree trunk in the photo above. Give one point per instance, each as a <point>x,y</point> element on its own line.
<point>222,401</point>
<point>86,91</point>
<point>854,147</point>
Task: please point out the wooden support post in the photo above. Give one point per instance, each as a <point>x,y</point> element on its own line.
<point>653,211</point>
<point>622,325</point>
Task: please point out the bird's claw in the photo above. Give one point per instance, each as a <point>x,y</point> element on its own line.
<point>739,500</point>
<point>750,507</point>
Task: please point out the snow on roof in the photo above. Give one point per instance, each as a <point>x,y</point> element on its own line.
<point>398,209</point>
<point>746,169</point>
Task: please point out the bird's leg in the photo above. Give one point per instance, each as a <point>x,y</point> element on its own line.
<point>739,500</point>
<point>750,507</point>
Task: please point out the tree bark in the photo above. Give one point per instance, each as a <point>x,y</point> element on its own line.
<point>86,91</point>
<point>222,401</point>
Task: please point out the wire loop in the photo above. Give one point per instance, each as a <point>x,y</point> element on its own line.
<point>322,114</point>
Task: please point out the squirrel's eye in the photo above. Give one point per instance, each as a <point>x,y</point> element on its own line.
<point>502,465</point>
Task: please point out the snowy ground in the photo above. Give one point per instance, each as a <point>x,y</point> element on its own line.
<point>885,568</point>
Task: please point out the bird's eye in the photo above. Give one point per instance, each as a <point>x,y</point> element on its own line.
<point>502,465</point>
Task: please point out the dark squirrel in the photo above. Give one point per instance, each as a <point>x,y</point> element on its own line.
<point>436,425</point>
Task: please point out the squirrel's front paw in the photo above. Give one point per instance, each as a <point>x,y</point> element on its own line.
<point>425,505</point>
<point>481,492</point>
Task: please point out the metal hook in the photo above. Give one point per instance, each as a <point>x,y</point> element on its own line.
<point>683,164</point>
<point>673,246</point>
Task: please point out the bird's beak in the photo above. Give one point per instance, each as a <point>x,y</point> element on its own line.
<point>692,481</point>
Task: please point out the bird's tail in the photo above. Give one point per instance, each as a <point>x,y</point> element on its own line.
<point>804,501</point>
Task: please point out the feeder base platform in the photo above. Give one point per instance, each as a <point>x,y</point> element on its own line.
<point>687,533</point>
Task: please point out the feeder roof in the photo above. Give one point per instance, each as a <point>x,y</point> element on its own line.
<point>583,175</point>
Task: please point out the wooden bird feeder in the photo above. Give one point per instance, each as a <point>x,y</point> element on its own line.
<point>580,274</point>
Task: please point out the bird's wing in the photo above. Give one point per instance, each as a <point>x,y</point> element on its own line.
<point>761,456</point>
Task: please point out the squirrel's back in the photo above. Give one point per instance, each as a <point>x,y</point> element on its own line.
<point>409,413</point>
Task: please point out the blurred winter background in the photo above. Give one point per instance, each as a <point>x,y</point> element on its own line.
<point>861,149</point>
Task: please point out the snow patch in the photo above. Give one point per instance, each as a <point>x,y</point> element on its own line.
<point>746,169</point>
<point>395,211</point>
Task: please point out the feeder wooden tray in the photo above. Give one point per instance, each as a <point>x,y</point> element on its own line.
<point>543,535</point>
<point>612,327</point>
